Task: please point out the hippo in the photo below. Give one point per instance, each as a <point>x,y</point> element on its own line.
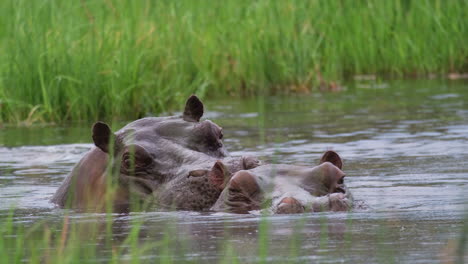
<point>174,162</point>
<point>287,189</point>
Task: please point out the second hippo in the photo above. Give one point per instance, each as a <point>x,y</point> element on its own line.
<point>285,189</point>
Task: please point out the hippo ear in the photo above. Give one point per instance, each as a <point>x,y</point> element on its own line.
<point>332,157</point>
<point>102,136</point>
<point>219,175</point>
<point>193,109</point>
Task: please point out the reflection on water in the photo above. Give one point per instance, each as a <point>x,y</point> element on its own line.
<point>406,155</point>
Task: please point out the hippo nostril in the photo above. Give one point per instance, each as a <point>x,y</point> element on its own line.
<point>290,205</point>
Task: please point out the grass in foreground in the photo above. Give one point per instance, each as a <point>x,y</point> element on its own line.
<point>86,239</point>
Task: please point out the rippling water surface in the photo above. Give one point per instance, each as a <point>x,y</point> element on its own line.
<point>405,150</point>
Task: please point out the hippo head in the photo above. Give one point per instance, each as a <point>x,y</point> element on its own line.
<point>152,134</point>
<point>153,156</point>
<point>287,188</point>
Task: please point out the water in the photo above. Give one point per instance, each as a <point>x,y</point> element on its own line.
<point>405,149</point>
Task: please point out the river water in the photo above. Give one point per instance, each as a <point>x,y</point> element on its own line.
<point>405,151</point>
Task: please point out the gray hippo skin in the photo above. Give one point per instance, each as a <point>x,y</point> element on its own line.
<point>286,189</point>
<point>161,161</point>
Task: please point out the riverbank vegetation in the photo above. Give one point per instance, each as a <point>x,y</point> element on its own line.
<point>89,59</point>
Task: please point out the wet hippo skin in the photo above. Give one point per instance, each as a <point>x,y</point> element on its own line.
<point>169,162</point>
<point>286,189</point>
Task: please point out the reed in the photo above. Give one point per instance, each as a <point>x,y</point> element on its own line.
<point>90,59</point>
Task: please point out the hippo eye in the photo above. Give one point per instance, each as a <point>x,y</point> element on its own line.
<point>221,135</point>
<point>197,173</point>
<point>137,157</point>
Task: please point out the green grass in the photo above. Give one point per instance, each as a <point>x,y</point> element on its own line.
<point>72,242</point>
<point>84,239</point>
<point>89,59</point>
